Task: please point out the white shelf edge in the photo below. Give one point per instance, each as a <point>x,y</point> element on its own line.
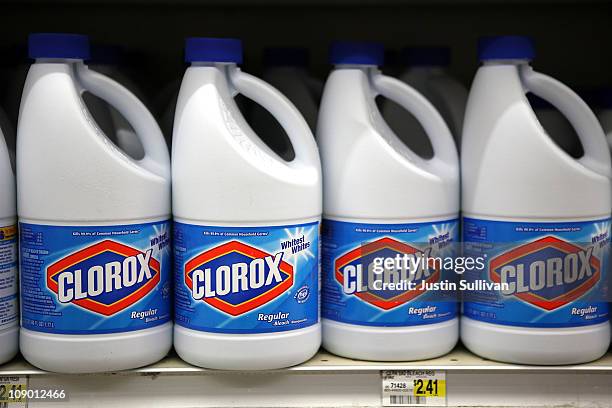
<point>458,360</point>
<point>325,381</point>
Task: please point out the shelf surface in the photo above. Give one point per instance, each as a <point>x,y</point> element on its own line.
<point>324,381</point>
<point>458,360</point>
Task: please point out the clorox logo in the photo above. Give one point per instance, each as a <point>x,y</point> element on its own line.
<point>236,278</point>
<point>354,272</point>
<point>104,278</point>
<point>548,273</point>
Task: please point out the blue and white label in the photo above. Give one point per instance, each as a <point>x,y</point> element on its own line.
<point>382,274</point>
<point>95,279</point>
<point>8,276</point>
<point>246,279</point>
<point>550,274</point>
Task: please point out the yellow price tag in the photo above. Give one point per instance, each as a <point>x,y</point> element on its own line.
<point>12,390</point>
<point>414,388</point>
<point>424,387</point>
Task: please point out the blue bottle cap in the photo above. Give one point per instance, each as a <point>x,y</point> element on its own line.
<point>203,49</point>
<point>426,56</point>
<point>358,53</point>
<point>508,47</point>
<point>55,45</point>
<point>286,56</point>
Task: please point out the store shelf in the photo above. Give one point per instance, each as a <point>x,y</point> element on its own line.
<point>326,380</point>
<point>458,360</point>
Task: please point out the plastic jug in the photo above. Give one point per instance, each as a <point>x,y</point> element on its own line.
<point>94,223</point>
<point>382,201</point>
<point>246,222</point>
<point>427,72</point>
<point>540,217</point>
<point>9,323</point>
<point>168,98</point>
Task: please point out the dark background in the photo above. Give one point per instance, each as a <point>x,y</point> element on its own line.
<point>573,37</point>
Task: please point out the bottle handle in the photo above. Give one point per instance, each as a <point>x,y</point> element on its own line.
<point>156,157</point>
<point>290,119</point>
<point>596,152</point>
<point>426,114</point>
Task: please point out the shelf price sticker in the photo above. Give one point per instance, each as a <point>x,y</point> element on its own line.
<point>11,388</point>
<point>409,388</point>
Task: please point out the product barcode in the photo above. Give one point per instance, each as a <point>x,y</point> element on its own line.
<point>406,400</point>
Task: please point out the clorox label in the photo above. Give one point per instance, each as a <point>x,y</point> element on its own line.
<point>105,278</point>
<point>552,274</point>
<point>87,280</point>
<point>246,279</point>
<point>8,276</point>
<point>379,274</point>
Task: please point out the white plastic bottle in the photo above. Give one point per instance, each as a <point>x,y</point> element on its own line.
<point>381,201</point>
<point>427,72</point>
<point>538,217</point>
<point>93,222</point>
<point>246,229</point>
<point>9,323</point>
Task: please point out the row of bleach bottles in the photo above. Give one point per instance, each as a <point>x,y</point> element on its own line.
<point>107,282</point>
